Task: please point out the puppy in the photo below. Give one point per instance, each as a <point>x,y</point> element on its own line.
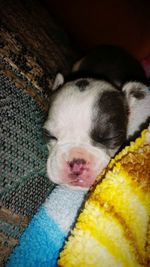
<point>93,113</point>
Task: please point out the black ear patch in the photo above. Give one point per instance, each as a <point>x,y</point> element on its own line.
<point>82,84</point>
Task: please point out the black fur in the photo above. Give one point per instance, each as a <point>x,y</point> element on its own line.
<point>109,120</point>
<point>113,63</point>
<point>82,84</point>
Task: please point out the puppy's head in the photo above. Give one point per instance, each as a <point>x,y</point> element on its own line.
<point>86,125</point>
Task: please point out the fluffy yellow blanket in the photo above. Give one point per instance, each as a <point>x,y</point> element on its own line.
<point>113,230</point>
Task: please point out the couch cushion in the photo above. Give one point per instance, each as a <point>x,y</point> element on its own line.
<point>28,67</point>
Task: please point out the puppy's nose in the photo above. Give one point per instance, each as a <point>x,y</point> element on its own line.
<point>77,166</point>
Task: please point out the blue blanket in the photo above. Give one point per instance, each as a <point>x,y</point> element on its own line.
<point>44,237</point>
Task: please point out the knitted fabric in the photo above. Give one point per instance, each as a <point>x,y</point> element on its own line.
<point>24,184</point>
<point>23,151</point>
<point>32,51</point>
<point>114,227</point>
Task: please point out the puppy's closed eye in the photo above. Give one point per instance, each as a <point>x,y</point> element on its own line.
<point>114,141</point>
<point>48,136</point>
<point>110,142</point>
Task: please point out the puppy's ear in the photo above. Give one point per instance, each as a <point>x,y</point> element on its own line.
<point>138,100</point>
<point>134,91</point>
<point>59,80</point>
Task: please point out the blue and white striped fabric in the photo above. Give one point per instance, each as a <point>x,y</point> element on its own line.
<point>44,237</point>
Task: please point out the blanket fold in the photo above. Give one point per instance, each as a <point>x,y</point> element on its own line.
<point>44,237</point>
<point>114,227</point>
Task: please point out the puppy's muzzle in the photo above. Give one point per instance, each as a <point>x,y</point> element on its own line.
<point>76,166</point>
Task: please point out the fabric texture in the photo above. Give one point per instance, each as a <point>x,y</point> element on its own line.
<point>33,48</point>
<point>113,229</point>
<point>44,237</point>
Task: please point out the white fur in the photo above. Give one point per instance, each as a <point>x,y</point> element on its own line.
<point>139,109</point>
<point>74,108</point>
<point>59,80</point>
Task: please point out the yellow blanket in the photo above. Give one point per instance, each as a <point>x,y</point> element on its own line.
<point>113,230</point>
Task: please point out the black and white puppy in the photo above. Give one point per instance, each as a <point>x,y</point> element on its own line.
<point>92,115</point>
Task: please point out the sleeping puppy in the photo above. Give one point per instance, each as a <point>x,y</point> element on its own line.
<point>93,113</point>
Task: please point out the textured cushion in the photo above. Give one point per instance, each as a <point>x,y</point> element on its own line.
<point>31,53</point>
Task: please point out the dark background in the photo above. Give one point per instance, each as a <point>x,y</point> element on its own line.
<point>92,22</point>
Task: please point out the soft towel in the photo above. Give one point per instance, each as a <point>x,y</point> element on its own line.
<point>114,228</point>
<point>44,237</point>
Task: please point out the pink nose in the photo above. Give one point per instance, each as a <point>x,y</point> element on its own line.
<point>77,166</point>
